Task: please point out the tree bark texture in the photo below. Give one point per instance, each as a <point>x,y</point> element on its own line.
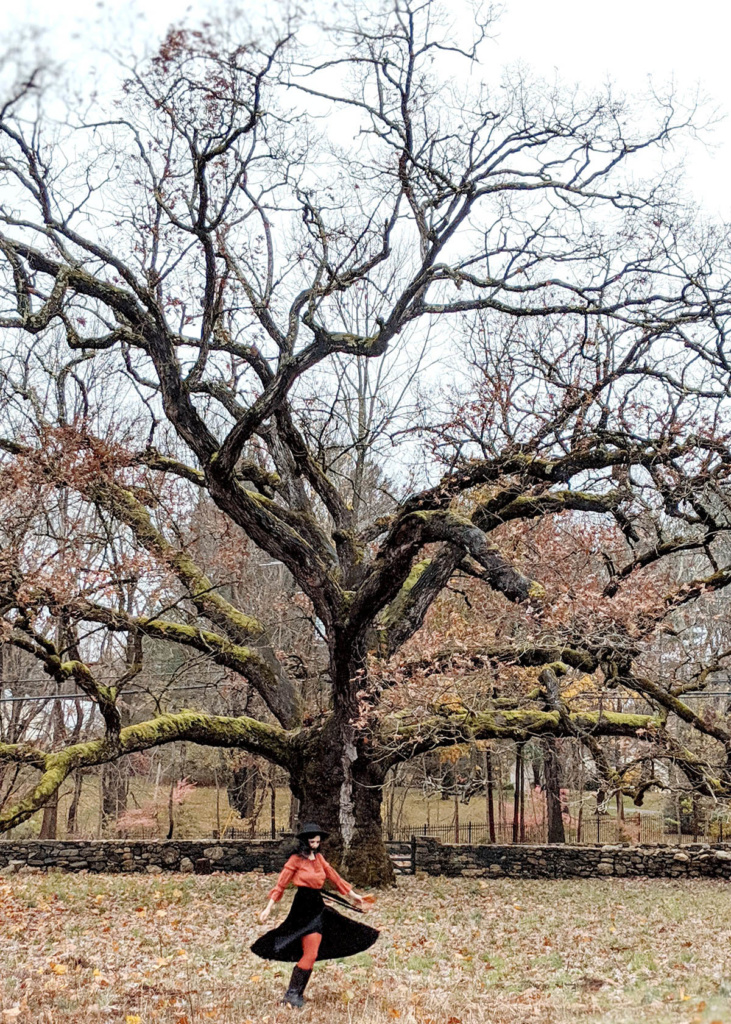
<point>552,784</point>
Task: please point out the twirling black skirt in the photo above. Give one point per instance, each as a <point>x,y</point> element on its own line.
<point>341,936</point>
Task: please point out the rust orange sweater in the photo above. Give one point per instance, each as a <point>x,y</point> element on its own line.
<point>308,873</point>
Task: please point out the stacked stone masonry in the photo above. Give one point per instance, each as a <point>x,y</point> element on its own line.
<point>558,861</point>
<point>117,855</point>
<point>427,855</point>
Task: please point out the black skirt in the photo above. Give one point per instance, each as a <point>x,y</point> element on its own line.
<point>341,936</point>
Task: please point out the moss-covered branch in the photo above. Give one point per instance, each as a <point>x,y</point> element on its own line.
<point>696,588</point>
<point>658,695</point>
<point>404,740</point>
<point>269,741</point>
<point>153,459</point>
<point>266,482</point>
<point>125,507</point>
<point>426,579</point>
<point>650,556</point>
<point>23,753</point>
<point>493,513</point>
<point>247,661</point>
<point>28,639</point>
<point>48,785</point>
<point>532,469</point>
<point>406,613</point>
<point>528,655</point>
<point>272,682</point>
<point>245,733</point>
<point>393,568</point>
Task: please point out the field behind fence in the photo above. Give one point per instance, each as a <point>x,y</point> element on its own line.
<point>206,813</point>
<point>635,828</point>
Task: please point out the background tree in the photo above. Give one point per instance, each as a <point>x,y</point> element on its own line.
<point>211,273</point>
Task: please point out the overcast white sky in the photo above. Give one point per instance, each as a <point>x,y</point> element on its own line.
<point>628,41</point>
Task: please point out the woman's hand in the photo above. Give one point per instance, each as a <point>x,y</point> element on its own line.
<point>263,917</point>
<point>359,900</point>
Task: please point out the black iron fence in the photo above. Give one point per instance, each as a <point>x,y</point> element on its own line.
<point>245,833</point>
<point>634,828</point>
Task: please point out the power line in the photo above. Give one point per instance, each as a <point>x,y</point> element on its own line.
<point>26,679</point>
<point>124,693</point>
<point>602,698</point>
<point>719,693</point>
<point>695,696</point>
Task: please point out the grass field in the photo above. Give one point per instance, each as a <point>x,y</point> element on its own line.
<point>174,949</point>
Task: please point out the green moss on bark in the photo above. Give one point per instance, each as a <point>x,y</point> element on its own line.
<point>407,740</point>
<point>213,730</point>
<point>56,771</point>
<point>396,608</point>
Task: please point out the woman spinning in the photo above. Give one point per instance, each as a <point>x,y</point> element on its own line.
<point>311,930</point>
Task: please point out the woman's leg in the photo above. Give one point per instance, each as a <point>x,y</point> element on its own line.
<point>310,947</point>
<point>303,969</point>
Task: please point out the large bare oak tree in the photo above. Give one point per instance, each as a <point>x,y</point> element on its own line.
<point>240,236</point>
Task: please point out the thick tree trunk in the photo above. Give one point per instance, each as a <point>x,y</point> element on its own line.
<point>316,783</point>
<point>339,787</point>
<point>552,779</point>
<point>366,860</point>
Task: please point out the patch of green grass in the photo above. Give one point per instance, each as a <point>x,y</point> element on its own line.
<point>643,960</point>
<point>550,961</point>
<point>420,963</point>
<point>359,960</point>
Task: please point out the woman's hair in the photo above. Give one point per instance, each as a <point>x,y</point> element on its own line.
<point>304,849</point>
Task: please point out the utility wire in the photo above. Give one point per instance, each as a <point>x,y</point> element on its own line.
<point>601,698</point>
<point>85,696</point>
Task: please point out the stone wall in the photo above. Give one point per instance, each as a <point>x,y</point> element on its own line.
<point>427,855</point>
<point>152,856</point>
<point>558,861</point>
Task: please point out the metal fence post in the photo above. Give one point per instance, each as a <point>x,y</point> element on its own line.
<point>413,854</point>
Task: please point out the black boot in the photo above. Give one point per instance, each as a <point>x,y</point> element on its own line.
<point>297,985</point>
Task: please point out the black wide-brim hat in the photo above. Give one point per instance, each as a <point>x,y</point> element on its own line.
<point>311,829</point>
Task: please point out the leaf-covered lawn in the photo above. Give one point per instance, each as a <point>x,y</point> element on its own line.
<point>174,949</point>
